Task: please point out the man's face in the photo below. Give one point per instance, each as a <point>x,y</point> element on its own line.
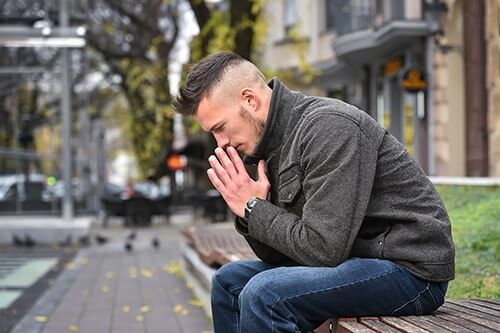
<point>231,125</point>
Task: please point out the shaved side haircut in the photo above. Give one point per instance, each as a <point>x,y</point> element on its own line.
<point>209,73</point>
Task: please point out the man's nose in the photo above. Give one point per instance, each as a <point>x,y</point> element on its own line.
<point>222,140</point>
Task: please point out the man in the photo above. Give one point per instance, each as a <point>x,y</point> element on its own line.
<point>344,220</point>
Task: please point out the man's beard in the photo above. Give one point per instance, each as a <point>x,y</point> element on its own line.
<point>257,124</point>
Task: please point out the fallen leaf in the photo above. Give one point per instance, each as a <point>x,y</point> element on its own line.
<point>41,319</point>
<point>70,266</point>
<point>109,275</point>
<point>178,308</point>
<point>184,312</point>
<point>145,309</point>
<point>126,309</point>
<point>174,267</point>
<point>73,328</point>
<point>146,273</point>
<point>196,303</point>
<point>105,289</point>
<point>139,318</point>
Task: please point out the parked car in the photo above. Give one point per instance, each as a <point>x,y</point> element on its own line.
<point>136,205</point>
<point>21,194</point>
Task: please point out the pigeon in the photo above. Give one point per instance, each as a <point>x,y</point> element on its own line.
<point>17,241</point>
<point>28,241</point>
<point>132,236</point>
<point>101,240</point>
<point>84,240</point>
<point>129,247</point>
<point>155,243</point>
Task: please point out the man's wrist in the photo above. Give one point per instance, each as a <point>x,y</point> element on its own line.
<point>249,206</point>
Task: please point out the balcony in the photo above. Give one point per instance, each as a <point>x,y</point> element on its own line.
<point>373,29</point>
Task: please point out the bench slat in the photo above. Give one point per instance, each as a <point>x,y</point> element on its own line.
<point>425,324</point>
<point>403,325</point>
<point>485,305</point>
<point>448,324</point>
<point>476,311</point>
<point>472,316</point>
<point>378,326</point>
<point>352,327</point>
<point>463,322</point>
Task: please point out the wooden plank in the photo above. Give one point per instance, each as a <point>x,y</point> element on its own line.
<point>471,315</point>
<point>474,310</point>
<point>448,324</point>
<point>402,325</point>
<point>494,301</point>
<point>425,324</point>
<point>459,320</point>
<point>352,327</point>
<point>484,303</point>
<point>378,326</point>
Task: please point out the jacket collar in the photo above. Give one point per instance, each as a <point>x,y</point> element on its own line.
<point>280,112</point>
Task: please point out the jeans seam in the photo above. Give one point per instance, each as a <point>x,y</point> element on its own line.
<point>413,299</point>
<point>345,285</point>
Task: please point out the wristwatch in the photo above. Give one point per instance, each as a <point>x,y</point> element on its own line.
<point>250,204</point>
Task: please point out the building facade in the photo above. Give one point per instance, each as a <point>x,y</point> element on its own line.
<point>426,70</point>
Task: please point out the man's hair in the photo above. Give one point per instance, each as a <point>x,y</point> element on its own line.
<point>202,78</point>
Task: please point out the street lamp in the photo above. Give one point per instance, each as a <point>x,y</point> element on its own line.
<point>435,13</point>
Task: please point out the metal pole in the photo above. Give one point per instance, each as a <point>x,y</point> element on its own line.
<point>66,117</point>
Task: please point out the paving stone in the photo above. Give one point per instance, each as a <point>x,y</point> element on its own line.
<point>124,292</point>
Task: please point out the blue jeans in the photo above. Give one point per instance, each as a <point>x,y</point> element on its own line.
<point>251,296</point>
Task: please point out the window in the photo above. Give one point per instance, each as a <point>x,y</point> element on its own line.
<point>330,7</point>
<point>290,15</point>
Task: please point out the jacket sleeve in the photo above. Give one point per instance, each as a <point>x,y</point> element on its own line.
<point>265,252</point>
<point>336,179</point>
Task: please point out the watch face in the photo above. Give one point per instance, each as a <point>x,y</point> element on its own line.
<point>252,202</point>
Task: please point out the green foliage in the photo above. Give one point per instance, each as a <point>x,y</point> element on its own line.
<point>299,45</point>
<point>475,215</point>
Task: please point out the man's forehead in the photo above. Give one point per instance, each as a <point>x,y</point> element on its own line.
<point>206,115</point>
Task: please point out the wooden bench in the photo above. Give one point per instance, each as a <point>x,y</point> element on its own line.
<point>219,244</point>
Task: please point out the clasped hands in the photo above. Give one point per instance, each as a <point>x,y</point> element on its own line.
<point>230,178</point>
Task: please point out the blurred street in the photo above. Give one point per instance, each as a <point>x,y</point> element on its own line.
<point>124,281</point>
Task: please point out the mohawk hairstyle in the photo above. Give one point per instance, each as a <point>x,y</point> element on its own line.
<point>202,78</point>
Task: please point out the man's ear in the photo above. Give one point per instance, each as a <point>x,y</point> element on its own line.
<point>250,98</point>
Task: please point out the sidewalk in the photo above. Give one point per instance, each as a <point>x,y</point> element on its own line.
<point>107,289</point>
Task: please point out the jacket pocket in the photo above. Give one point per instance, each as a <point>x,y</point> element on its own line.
<point>289,187</point>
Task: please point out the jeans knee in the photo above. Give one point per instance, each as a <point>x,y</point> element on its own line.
<point>256,292</point>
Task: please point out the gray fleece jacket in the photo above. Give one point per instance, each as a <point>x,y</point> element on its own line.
<point>342,186</point>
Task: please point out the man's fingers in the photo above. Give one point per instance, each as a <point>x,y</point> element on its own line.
<point>226,162</point>
<point>238,163</point>
<point>219,186</point>
<point>219,170</point>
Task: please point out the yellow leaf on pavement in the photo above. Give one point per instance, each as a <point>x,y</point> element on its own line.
<point>126,309</point>
<point>146,273</point>
<point>109,275</point>
<point>41,319</point>
<point>105,289</point>
<point>145,309</point>
<point>139,318</point>
<point>73,328</point>
<point>196,303</point>
<point>70,266</point>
